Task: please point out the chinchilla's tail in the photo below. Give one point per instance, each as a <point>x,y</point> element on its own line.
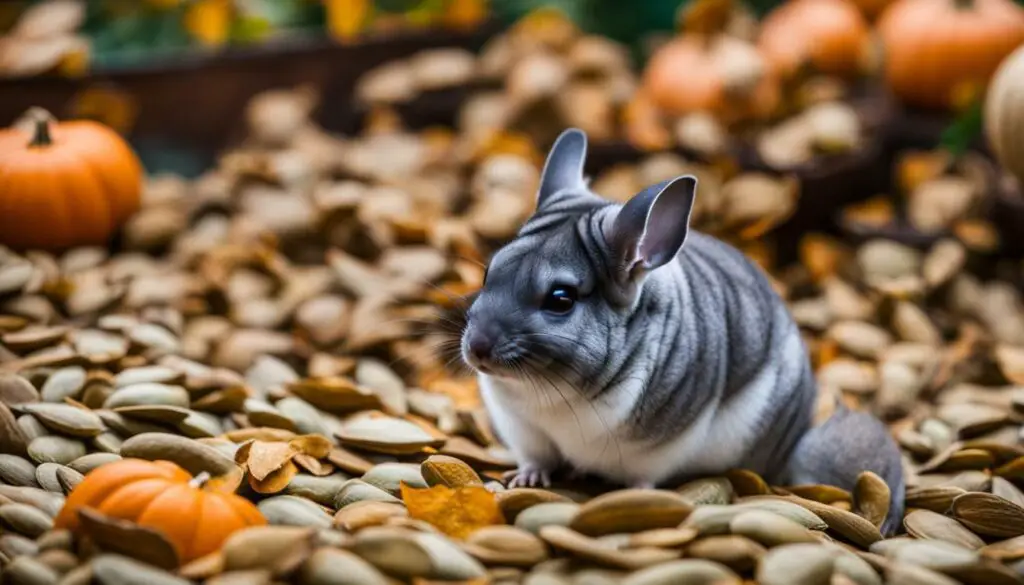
<point>848,443</point>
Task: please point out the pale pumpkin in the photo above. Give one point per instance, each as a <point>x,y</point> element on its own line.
<point>64,184</point>
<point>1004,114</point>
<point>194,516</point>
<point>831,36</point>
<point>939,51</point>
<point>720,74</point>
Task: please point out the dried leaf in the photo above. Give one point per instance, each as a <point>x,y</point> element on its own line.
<point>313,465</point>
<point>456,512</point>
<point>266,458</point>
<point>316,446</point>
<point>276,481</point>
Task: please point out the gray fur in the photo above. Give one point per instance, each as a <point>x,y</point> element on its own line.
<point>677,360</point>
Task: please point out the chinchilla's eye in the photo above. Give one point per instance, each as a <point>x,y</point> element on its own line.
<point>560,299</point>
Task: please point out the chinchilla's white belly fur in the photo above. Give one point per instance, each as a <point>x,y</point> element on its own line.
<point>545,424</point>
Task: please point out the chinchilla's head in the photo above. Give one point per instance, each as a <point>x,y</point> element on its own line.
<point>556,297</point>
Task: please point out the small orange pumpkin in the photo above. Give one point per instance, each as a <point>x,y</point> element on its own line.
<point>195,518</point>
<point>706,69</point>
<point>937,50</point>
<point>64,184</point>
<point>830,35</point>
<point>719,74</point>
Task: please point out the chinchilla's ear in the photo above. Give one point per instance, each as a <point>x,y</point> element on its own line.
<point>650,229</point>
<point>563,170</point>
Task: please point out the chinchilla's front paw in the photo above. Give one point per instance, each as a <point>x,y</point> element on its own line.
<point>529,476</point>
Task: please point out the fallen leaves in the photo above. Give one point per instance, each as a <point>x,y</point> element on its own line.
<point>457,512</point>
<point>271,465</point>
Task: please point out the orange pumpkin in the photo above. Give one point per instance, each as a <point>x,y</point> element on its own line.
<point>720,74</point>
<point>195,518</point>
<point>937,50</point>
<point>830,35</point>
<point>64,184</point>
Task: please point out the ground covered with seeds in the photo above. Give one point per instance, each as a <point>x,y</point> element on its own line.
<point>284,325</point>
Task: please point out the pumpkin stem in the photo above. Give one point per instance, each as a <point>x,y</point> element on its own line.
<point>200,480</point>
<point>36,121</point>
<point>963,4</point>
<point>41,137</point>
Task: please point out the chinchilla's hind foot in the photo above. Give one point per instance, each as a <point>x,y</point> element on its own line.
<point>838,451</point>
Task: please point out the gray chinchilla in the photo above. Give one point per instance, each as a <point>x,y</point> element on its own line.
<point>615,340</point>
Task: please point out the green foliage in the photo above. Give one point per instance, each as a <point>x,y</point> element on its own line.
<point>965,129</point>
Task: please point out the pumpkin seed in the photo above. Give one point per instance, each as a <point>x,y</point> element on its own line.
<point>68,479</point>
<point>87,463</point>
<point>359,515</point>
<point>630,511</point>
<point>796,564</point>
<point>148,394</point>
<point>64,383</point>
<point>535,517</point>
<point>1011,549</point>
<point>736,552</point>
<point>386,435</point>
<point>48,503</point>
<point>506,546</point>
<point>111,569</point>
<point>307,419</point>
<point>25,520</point>
<point>338,395</point>
<point>934,554</point>
<point>15,545</point>
<point>714,490</point>
<point>379,378</point>
<point>150,375</point>
<point>17,471</point>
<point>69,420</point>
<point>329,566</point>
<point>357,490</point>
<point>926,524</point>
<point>389,477</point>
<point>281,549</point>
<point>871,498</point>
<point>46,477</point>
<point>846,524</point>
<point>695,571</point>
<point>322,490</point>
<point>55,449</point>
<point>15,390</point>
<point>29,571</point>
<point>193,456</point>
<point>56,540</point>
<point>989,514</point>
<point>1007,491</point>
<point>855,569</point>
<point>407,555</point>
<point>12,437</point>
<point>294,511</point>
<point>768,529</point>
<point>448,471</point>
<point>128,538</point>
<point>597,551</point>
<point>32,339</point>
<point>937,499</point>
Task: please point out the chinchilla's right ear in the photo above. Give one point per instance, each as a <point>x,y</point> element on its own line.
<point>563,170</point>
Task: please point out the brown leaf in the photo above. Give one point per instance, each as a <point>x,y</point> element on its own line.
<point>313,465</point>
<point>265,458</point>
<point>316,446</point>
<point>276,481</point>
<point>456,512</point>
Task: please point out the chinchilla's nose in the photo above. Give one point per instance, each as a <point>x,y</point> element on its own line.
<point>480,344</point>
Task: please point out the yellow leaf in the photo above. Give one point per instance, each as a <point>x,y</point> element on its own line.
<point>266,458</point>
<point>316,446</point>
<point>456,512</point>
<point>276,481</point>
<point>209,21</point>
<point>347,18</point>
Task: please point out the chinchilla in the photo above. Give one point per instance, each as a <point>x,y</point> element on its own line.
<point>613,340</point>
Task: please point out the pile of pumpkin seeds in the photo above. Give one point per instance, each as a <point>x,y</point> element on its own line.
<point>303,287</point>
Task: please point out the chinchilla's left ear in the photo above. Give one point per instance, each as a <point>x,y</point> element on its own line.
<point>563,171</point>
<point>650,229</point>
